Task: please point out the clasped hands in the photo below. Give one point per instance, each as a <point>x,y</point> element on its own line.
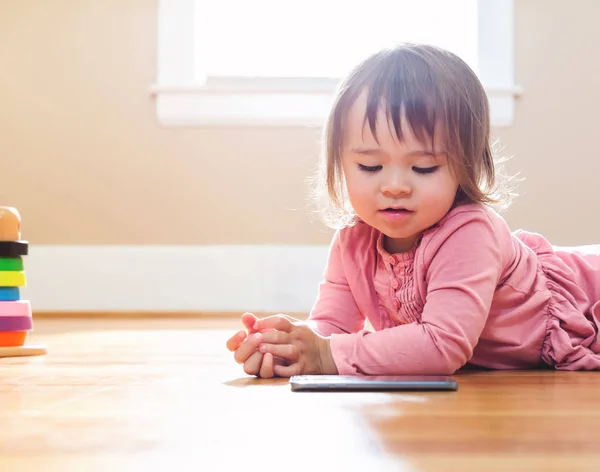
<point>280,346</point>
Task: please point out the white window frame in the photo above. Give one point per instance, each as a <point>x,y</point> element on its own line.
<point>180,101</point>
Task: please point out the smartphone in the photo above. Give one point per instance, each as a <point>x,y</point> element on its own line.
<point>371,383</point>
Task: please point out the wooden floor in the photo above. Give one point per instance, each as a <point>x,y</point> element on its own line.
<point>166,395</point>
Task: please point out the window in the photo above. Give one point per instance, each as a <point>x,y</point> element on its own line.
<point>209,75</point>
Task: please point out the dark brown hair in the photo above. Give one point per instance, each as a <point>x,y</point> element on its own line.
<point>428,87</point>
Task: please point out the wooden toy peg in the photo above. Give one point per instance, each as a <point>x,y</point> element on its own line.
<point>10,224</point>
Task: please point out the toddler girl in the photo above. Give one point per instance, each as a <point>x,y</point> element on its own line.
<point>420,252</point>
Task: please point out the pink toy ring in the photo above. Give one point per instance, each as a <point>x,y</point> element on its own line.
<point>15,308</point>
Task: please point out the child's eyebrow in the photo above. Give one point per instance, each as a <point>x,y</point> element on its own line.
<point>376,151</point>
<point>361,150</point>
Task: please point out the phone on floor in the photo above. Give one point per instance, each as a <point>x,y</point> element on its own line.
<point>371,383</point>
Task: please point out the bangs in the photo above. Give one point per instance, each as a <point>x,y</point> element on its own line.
<point>405,92</point>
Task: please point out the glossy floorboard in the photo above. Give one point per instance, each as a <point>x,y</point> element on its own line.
<point>166,395</point>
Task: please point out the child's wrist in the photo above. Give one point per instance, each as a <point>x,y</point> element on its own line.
<point>328,366</point>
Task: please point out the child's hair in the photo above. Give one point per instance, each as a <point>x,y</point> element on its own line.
<point>433,90</point>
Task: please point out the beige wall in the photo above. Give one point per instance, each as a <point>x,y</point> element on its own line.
<point>84,160</point>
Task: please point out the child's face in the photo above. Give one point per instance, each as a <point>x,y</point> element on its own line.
<point>399,188</point>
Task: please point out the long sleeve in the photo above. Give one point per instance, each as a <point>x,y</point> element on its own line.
<point>335,310</point>
<point>461,280</point>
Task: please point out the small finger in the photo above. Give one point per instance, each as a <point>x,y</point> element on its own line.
<point>249,346</point>
<point>275,337</point>
<point>285,351</point>
<point>287,370</point>
<point>277,322</point>
<point>253,364</point>
<point>290,318</point>
<point>248,320</point>
<point>236,340</point>
<point>266,369</point>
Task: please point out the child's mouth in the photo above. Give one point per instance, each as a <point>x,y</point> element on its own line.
<point>397,210</point>
<point>396,214</point>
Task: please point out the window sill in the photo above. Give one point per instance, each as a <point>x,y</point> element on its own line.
<point>276,102</point>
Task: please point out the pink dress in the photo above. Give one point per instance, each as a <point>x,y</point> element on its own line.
<point>469,293</point>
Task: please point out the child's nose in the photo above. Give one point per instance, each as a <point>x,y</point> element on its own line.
<point>396,185</point>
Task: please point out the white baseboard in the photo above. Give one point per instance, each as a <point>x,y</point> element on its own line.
<point>224,278</point>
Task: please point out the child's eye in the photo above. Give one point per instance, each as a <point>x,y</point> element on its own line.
<point>369,168</point>
<point>425,170</point>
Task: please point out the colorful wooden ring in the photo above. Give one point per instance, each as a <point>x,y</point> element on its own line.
<point>13,338</point>
<point>9,294</point>
<point>15,323</point>
<point>15,308</point>
<point>9,278</point>
<point>11,263</point>
<point>13,248</point>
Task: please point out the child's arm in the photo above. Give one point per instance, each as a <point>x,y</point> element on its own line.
<point>335,310</point>
<point>305,344</point>
<point>461,280</point>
